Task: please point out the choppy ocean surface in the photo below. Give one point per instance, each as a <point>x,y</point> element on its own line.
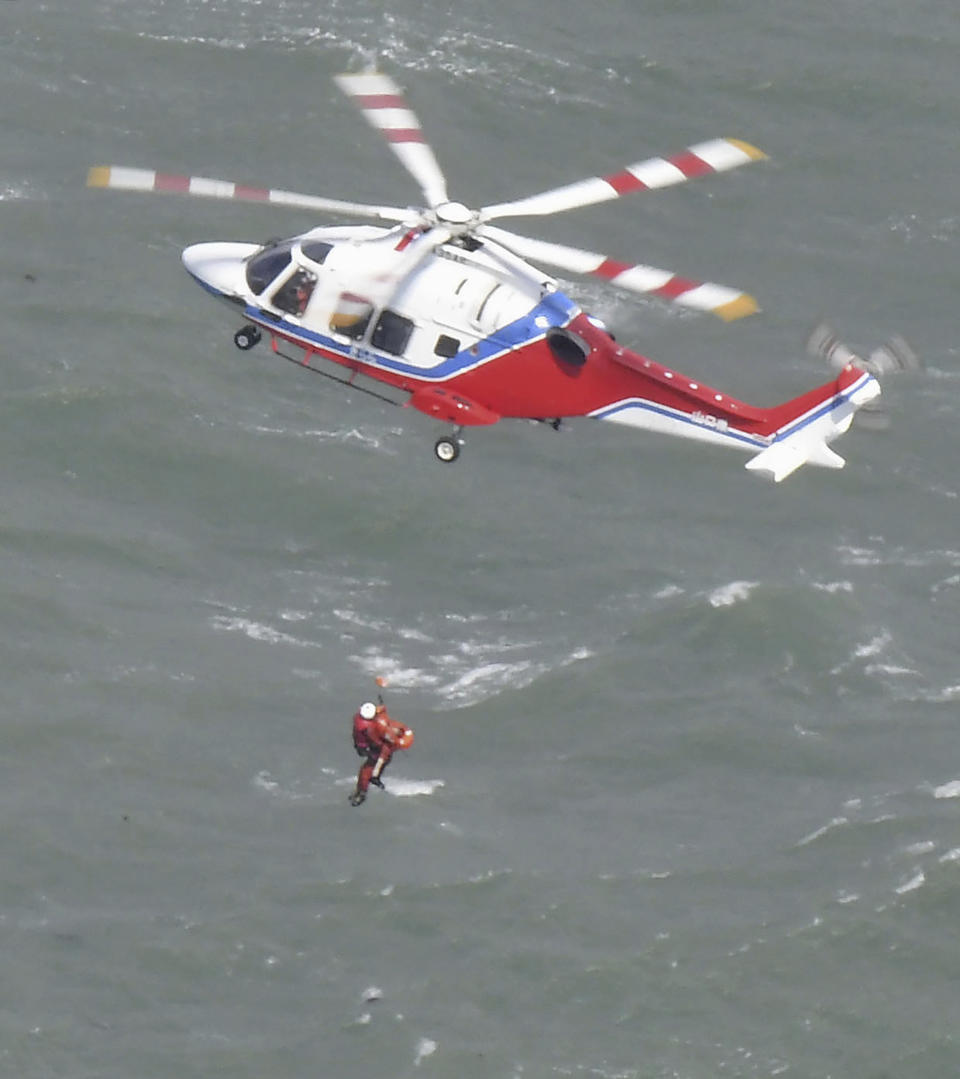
<point>685,792</point>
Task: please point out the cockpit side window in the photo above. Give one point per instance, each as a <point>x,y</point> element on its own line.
<point>267,264</point>
<point>316,250</point>
<point>294,294</point>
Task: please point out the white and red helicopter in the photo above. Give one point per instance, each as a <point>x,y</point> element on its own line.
<point>442,311</point>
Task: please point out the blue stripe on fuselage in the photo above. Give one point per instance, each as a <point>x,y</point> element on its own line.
<point>555,309</point>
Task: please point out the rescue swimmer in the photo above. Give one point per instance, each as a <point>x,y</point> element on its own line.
<point>376,737</point>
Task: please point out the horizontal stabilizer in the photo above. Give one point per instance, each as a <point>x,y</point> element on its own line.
<point>777,462</point>
<point>805,438</point>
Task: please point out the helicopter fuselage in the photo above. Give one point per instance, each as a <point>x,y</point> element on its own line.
<point>463,337</point>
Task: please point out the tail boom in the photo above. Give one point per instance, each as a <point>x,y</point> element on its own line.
<point>781,438</point>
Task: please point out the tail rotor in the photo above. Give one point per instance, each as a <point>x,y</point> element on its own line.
<point>894,357</point>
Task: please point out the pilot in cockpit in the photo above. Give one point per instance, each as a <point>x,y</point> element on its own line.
<point>294,295</point>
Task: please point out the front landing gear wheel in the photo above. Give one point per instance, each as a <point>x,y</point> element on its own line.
<point>246,338</point>
<point>446,449</point>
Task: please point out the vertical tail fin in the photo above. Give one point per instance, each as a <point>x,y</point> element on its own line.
<point>804,427</point>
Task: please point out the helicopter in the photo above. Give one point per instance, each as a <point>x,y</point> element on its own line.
<point>440,310</point>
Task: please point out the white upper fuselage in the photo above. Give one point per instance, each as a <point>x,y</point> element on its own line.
<point>372,293</point>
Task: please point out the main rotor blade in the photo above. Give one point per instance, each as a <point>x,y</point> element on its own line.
<point>717,155</point>
<point>725,303</point>
<point>386,109</point>
<point>126,179</point>
<point>413,250</point>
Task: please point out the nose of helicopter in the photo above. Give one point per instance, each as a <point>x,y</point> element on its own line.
<point>219,267</point>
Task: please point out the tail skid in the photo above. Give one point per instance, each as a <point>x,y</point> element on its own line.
<point>807,424</point>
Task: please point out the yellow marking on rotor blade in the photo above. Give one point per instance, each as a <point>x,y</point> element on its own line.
<point>751,151</point>
<point>99,176</point>
<point>739,308</point>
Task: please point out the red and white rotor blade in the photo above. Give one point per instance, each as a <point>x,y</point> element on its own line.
<point>716,155</point>
<point>386,109</point>
<point>122,178</point>
<point>725,303</point>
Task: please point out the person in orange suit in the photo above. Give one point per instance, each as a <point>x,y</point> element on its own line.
<point>376,737</point>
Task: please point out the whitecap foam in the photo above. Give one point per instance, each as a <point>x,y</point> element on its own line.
<point>9,193</point>
<point>940,696</point>
<point>874,646</point>
<point>425,1047</point>
<point>256,631</point>
<point>734,592</point>
<point>264,781</point>
<point>888,668</point>
<point>833,587</point>
<point>948,582</point>
<point>924,846</point>
<point>948,790</point>
<point>912,884</point>
<point>670,591</point>
<point>411,788</point>
<point>489,678</point>
<point>859,556</point>
<point>837,822</point>
<point>376,664</point>
<point>866,650</point>
<point>294,616</point>
<point>378,625</point>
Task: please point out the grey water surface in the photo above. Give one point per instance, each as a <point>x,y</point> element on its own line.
<point>684,796</point>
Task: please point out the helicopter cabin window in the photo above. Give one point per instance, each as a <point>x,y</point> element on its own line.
<point>351,316</point>
<point>267,264</point>
<point>446,346</point>
<point>294,294</point>
<point>392,332</point>
<point>316,250</point>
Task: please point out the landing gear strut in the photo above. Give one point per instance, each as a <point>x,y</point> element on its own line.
<point>447,448</point>
<point>246,338</point>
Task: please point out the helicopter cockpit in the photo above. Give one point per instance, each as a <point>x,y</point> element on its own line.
<point>271,267</point>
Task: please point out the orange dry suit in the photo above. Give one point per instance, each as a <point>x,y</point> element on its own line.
<point>377,739</point>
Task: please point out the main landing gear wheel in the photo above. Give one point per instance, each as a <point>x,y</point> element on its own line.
<point>246,338</point>
<point>447,449</point>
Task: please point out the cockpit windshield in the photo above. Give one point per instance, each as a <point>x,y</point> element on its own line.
<point>266,264</point>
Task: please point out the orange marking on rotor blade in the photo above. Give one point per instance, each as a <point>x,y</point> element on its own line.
<point>380,101</point>
<point>739,308</point>
<point>624,182</point>
<point>750,150</point>
<point>165,182</point>
<point>690,165</point>
<point>610,268</point>
<point>254,194</point>
<point>675,287</point>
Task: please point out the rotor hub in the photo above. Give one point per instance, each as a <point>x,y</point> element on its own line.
<point>454,214</point>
